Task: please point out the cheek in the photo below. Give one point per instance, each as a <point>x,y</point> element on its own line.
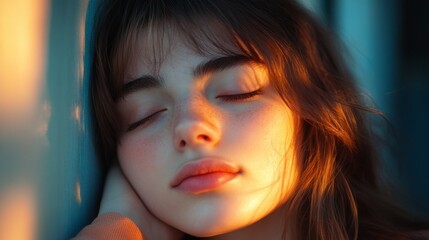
<point>142,155</point>
<point>262,141</point>
<point>268,129</point>
<point>146,162</point>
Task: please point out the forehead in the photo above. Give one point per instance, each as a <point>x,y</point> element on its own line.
<point>166,45</point>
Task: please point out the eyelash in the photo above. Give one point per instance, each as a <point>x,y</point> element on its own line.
<point>228,98</point>
<point>241,96</point>
<point>144,120</point>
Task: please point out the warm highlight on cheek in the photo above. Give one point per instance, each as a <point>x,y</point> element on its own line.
<point>267,131</point>
<point>279,139</point>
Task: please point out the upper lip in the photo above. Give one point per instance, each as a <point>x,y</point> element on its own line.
<point>203,166</point>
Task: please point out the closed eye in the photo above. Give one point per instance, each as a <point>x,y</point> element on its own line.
<point>145,121</point>
<point>239,97</point>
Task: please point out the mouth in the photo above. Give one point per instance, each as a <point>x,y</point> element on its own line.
<point>203,175</point>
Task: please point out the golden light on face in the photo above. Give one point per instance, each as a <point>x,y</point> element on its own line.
<point>206,142</point>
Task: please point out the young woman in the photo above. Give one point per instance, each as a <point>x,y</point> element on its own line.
<point>233,120</point>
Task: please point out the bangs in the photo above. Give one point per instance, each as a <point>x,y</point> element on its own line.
<point>208,28</point>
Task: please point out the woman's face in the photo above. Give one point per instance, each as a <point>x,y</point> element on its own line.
<point>206,140</point>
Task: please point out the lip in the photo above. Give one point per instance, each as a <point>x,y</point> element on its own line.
<point>204,174</point>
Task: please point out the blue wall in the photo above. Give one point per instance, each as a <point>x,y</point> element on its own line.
<point>71,182</point>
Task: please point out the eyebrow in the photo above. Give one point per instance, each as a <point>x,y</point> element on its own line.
<point>213,65</point>
<point>221,63</point>
<point>143,82</point>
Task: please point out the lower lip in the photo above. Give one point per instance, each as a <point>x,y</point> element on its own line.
<point>205,182</point>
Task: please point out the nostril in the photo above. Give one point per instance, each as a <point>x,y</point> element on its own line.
<point>204,137</point>
<point>199,139</point>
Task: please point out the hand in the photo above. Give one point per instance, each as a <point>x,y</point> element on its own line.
<point>120,197</point>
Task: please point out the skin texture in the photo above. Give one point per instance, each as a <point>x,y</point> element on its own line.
<point>191,119</point>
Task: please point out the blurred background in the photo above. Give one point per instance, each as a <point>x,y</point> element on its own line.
<point>50,179</point>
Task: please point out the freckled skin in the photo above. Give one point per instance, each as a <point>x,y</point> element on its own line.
<point>253,134</point>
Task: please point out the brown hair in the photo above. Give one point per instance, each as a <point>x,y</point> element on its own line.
<point>339,194</point>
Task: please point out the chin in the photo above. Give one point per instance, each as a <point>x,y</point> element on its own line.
<point>214,224</point>
<point>209,230</point>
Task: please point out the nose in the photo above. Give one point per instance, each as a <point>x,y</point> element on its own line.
<point>196,126</point>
